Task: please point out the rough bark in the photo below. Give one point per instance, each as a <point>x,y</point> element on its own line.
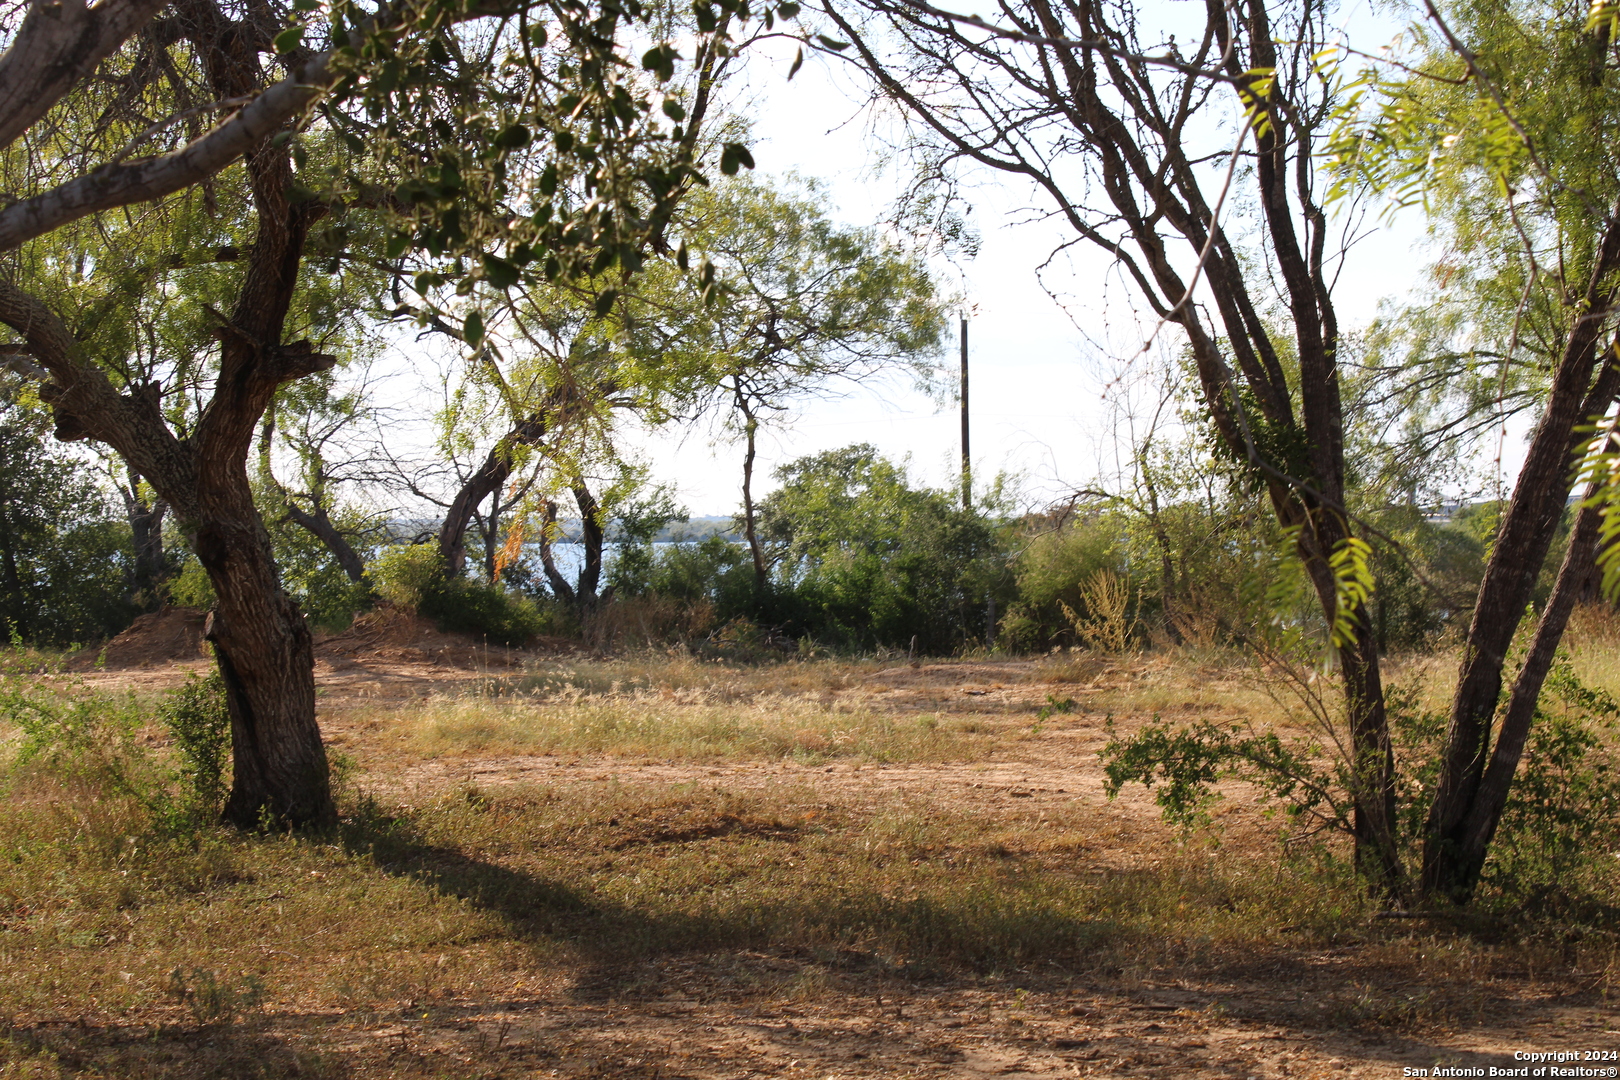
<point>1478,789</point>
<point>1520,548</point>
<point>261,642</point>
<point>56,47</point>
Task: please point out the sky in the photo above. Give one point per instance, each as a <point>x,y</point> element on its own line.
<point>1038,378</point>
<point>1049,379</point>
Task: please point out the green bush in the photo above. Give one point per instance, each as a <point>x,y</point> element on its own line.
<point>405,575</point>
<point>488,611</point>
<point>1051,573</point>
<point>1554,850</point>
<point>198,720</point>
<point>862,558</point>
<point>191,587</point>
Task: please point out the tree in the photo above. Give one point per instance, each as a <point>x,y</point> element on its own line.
<point>871,560</point>
<point>82,84</point>
<point>1506,126</point>
<point>807,306</point>
<point>1098,113</point>
<point>63,553</point>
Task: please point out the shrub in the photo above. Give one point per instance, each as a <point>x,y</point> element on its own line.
<point>191,588</point>
<point>406,574</point>
<point>1555,846</point>
<point>1052,571</point>
<point>489,611</point>
<point>197,718</point>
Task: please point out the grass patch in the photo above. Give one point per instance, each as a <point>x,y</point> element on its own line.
<point>684,726</point>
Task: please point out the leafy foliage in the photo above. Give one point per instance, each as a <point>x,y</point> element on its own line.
<point>197,719</point>
<point>64,554</point>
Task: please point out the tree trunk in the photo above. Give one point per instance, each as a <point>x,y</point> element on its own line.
<point>560,587</point>
<point>486,483</point>
<point>150,567</point>
<point>750,529</point>
<point>492,524</point>
<point>263,646</point>
<point>1485,814</point>
<point>590,572</point>
<point>1521,546</point>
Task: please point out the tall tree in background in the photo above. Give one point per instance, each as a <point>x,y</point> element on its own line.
<point>62,547</point>
<point>808,307</point>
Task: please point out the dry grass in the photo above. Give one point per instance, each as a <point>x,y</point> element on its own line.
<point>674,725</point>
<point>135,949</point>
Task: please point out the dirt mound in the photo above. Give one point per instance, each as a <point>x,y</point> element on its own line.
<point>173,634</point>
<point>391,633</point>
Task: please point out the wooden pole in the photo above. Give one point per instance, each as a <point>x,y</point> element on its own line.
<point>967,465</point>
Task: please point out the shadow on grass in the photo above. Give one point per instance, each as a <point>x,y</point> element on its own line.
<point>981,926</point>
<point>172,1053</point>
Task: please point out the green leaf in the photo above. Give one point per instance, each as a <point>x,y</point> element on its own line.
<point>288,40</point>
<point>500,273</point>
<point>1351,563</point>
<point>831,43</point>
<point>604,302</point>
<point>661,59</point>
<point>472,328</point>
<point>733,156</point>
<point>798,62</point>
<point>397,245</point>
<point>513,137</point>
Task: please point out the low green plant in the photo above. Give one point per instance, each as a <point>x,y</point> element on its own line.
<point>191,588</point>
<point>196,717</point>
<point>1560,830</point>
<point>406,574</point>
<point>489,611</point>
<point>73,732</point>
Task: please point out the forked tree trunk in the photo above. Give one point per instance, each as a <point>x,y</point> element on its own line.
<point>1485,814</point>
<point>1520,548</point>
<point>261,642</point>
<point>486,483</point>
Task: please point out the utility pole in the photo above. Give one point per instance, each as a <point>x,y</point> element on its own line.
<point>967,465</point>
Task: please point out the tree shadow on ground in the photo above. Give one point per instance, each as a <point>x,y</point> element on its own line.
<point>241,1049</point>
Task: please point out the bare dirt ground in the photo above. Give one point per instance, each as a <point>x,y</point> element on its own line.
<point>1366,1006</point>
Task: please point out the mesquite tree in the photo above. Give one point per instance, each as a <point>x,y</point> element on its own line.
<point>248,97</point>
<point>1102,116</point>
<point>1508,127</point>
